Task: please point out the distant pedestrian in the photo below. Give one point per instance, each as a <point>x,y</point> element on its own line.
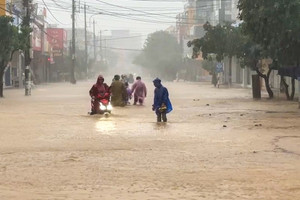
<point>129,95</point>
<point>130,78</point>
<point>139,91</point>
<point>162,104</point>
<point>118,92</point>
<point>214,80</point>
<point>124,78</point>
<point>219,79</point>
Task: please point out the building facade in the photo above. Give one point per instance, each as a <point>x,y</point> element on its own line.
<point>189,26</point>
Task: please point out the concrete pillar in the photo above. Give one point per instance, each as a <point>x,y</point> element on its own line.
<point>20,70</point>
<point>226,71</point>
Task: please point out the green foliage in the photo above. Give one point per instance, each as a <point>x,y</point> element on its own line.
<point>275,26</point>
<point>210,64</point>
<point>223,41</point>
<point>9,40</point>
<point>214,41</point>
<point>161,55</point>
<point>219,40</point>
<point>8,43</point>
<point>250,53</point>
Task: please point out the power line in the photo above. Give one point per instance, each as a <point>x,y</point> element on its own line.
<point>120,38</point>
<point>114,48</point>
<point>122,49</point>
<point>59,5</point>
<point>146,14</point>
<point>52,14</point>
<point>114,5</point>
<point>134,16</point>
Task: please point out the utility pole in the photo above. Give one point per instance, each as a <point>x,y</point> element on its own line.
<point>26,27</point>
<point>101,52</point>
<point>94,40</point>
<point>105,47</point>
<point>72,75</point>
<point>85,42</point>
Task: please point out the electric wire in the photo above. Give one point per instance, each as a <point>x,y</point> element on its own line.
<point>52,14</point>
<point>114,48</point>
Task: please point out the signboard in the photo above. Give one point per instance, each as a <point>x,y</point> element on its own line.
<point>2,7</point>
<point>219,67</point>
<point>36,38</point>
<point>57,52</point>
<point>56,37</point>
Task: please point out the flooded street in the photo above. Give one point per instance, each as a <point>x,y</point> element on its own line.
<point>218,144</point>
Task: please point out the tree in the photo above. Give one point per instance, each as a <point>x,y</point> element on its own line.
<point>250,55</point>
<point>223,41</point>
<point>10,42</point>
<point>274,25</point>
<point>213,42</point>
<point>210,64</point>
<point>161,55</point>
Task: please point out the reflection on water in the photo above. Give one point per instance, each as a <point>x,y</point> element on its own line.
<point>160,126</point>
<point>105,126</point>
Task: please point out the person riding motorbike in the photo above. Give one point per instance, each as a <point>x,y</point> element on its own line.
<point>99,91</point>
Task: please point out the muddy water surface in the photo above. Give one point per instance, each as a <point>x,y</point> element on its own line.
<point>218,144</point>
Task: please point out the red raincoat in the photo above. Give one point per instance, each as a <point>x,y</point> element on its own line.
<point>99,91</point>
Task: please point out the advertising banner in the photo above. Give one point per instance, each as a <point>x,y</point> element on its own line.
<point>56,37</point>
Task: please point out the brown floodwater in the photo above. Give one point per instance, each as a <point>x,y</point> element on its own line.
<point>218,144</point>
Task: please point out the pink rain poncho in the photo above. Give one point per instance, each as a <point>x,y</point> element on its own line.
<point>139,91</point>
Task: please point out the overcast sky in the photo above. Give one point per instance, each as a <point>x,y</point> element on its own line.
<point>139,16</point>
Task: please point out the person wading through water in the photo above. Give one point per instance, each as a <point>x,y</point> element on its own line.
<point>139,91</point>
<point>162,104</point>
<point>118,92</point>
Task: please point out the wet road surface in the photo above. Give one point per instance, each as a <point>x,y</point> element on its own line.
<point>218,144</point>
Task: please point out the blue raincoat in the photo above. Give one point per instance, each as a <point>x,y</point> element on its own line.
<point>161,95</point>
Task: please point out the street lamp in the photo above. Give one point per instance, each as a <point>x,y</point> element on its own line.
<point>85,36</point>
<point>94,35</point>
<point>99,13</point>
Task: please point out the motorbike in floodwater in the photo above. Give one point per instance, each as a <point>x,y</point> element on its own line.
<point>104,105</point>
